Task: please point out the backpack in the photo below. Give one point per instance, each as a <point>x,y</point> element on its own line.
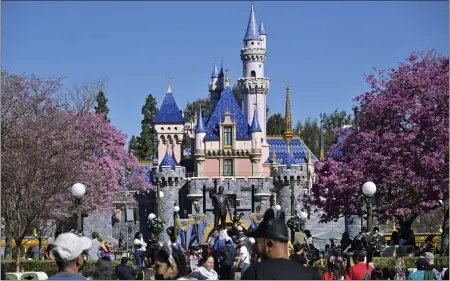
<point>430,275</point>
<point>227,257</point>
<point>400,275</point>
<point>367,275</point>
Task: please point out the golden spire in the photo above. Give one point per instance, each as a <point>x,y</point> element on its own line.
<point>309,159</point>
<point>227,80</point>
<point>287,135</point>
<point>321,158</point>
<point>227,112</point>
<point>169,89</point>
<point>274,158</point>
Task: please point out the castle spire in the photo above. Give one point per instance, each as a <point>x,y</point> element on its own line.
<point>262,31</point>
<point>252,28</point>
<point>169,89</point>
<point>287,135</point>
<point>255,123</point>
<point>321,157</point>
<point>200,127</point>
<point>221,69</point>
<point>227,79</point>
<point>215,73</point>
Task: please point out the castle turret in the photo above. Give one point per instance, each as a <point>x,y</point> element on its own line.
<point>200,133</point>
<point>254,85</point>
<point>169,126</point>
<point>262,33</point>
<point>215,86</point>
<point>170,178</point>
<point>255,131</point>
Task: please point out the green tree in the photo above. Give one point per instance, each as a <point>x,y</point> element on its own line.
<point>146,144</point>
<point>330,123</point>
<point>237,95</point>
<point>275,124</point>
<point>310,134</point>
<point>133,145</point>
<point>101,107</point>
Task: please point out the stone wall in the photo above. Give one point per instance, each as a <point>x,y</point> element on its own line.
<point>98,221</point>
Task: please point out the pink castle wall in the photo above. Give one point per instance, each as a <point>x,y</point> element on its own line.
<point>243,168</point>
<point>266,170</point>
<point>211,168</point>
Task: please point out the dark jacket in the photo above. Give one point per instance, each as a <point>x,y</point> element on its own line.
<point>125,272</point>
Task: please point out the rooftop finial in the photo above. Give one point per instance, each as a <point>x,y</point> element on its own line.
<point>169,89</point>
<point>287,135</point>
<point>227,79</point>
<point>215,73</point>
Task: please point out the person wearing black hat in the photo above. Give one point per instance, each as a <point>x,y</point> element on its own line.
<point>298,255</point>
<point>361,270</point>
<point>272,236</point>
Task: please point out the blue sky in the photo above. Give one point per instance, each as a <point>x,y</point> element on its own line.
<point>323,49</point>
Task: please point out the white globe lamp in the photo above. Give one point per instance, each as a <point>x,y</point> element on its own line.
<point>176,209</point>
<point>303,215</point>
<point>151,216</point>
<point>277,208</point>
<point>78,190</point>
<point>161,194</point>
<point>369,189</point>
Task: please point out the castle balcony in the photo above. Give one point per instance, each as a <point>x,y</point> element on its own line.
<point>228,153</point>
<point>263,83</point>
<point>255,51</point>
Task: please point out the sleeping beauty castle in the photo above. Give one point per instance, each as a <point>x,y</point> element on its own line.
<point>230,148</point>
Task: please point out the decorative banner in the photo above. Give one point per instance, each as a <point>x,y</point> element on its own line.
<point>197,229</point>
<point>184,224</point>
<point>256,218</point>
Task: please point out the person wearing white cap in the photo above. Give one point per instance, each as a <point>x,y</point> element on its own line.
<point>70,252</point>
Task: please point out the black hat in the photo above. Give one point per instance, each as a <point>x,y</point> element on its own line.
<point>297,247</point>
<point>272,228</point>
<point>422,263</point>
<point>359,255</point>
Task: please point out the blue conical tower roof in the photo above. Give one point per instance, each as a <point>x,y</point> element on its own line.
<point>221,69</point>
<point>252,28</point>
<point>255,123</point>
<point>262,31</point>
<point>215,73</point>
<point>168,161</point>
<point>200,128</point>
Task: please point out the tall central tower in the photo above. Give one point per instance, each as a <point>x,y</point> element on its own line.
<point>253,86</point>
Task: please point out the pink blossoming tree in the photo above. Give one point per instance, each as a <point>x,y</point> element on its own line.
<point>46,149</point>
<point>401,143</point>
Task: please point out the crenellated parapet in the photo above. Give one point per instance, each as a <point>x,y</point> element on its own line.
<point>167,176</point>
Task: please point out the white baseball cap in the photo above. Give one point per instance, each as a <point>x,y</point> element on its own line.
<point>69,246</point>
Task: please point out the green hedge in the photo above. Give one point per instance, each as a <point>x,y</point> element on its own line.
<point>47,266</point>
<point>382,262</point>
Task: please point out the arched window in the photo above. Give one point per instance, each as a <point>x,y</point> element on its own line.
<point>253,74</point>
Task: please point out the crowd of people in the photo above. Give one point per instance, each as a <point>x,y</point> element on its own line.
<point>263,253</point>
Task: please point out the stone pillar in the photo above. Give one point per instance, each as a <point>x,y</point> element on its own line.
<point>352,225</point>
<point>284,199</point>
<point>167,204</point>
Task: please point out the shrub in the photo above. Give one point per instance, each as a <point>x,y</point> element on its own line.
<point>382,262</point>
<point>47,266</point>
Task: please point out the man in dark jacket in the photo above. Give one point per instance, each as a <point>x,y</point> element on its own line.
<point>227,256</point>
<point>125,271</point>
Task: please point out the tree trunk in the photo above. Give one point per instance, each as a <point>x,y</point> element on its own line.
<point>40,247</point>
<point>18,255</point>
<point>445,229</point>
<point>8,246</point>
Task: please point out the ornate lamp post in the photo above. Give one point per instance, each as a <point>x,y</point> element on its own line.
<point>176,209</point>
<point>303,215</point>
<point>278,209</point>
<point>78,190</point>
<point>369,189</point>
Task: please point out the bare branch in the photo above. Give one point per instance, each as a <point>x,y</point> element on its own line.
<point>81,96</point>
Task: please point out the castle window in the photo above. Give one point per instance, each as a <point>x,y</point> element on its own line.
<point>228,167</point>
<point>258,43</point>
<point>253,74</point>
<point>259,66</point>
<point>227,136</point>
<point>253,43</point>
